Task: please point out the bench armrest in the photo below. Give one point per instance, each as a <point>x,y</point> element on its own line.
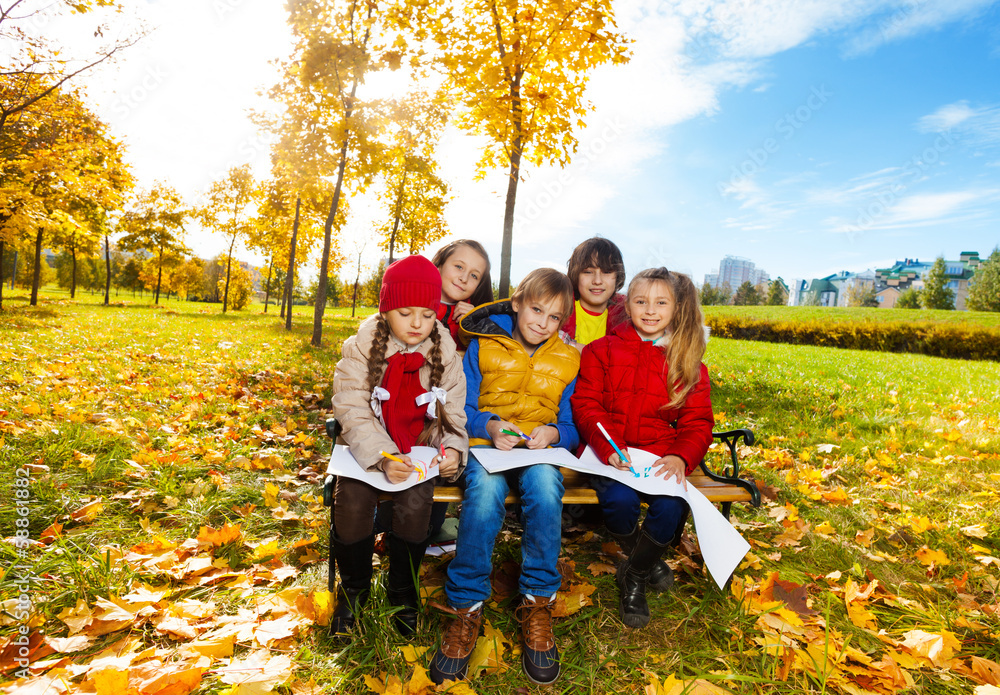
<point>731,440</point>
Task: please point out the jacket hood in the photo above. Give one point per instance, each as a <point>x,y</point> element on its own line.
<point>489,320</point>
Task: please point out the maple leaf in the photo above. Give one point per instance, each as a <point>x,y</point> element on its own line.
<point>488,652</point>
<point>599,568</point>
<point>985,671</point>
<point>215,538</point>
<point>256,674</point>
<point>837,496</point>
<point>975,531</point>
<point>89,511</point>
<point>571,601</point>
<point>932,557</point>
<point>936,648</point>
<point>179,679</point>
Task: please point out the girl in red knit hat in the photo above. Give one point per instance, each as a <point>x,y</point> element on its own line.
<point>399,383</point>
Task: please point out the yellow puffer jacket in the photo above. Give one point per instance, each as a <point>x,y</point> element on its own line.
<point>519,388</point>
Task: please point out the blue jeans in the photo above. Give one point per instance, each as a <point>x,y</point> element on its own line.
<point>541,490</point>
<point>621,505</point>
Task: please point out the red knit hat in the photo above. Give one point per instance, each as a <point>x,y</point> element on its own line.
<point>411,281</point>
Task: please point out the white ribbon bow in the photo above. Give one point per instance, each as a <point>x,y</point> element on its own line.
<point>379,395</point>
<point>430,398</point>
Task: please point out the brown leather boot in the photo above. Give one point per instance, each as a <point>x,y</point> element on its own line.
<point>451,661</point>
<point>539,656</point>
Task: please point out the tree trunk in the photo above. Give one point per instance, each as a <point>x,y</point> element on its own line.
<point>267,287</point>
<point>72,284</point>
<point>514,79</point>
<point>324,266</point>
<point>13,272</point>
<point>290,277</point>
<point>107,267</point>
<point>398,213</point>
<point>37,276</point>
<point>159,276</point>
<point>229,263</point>
<point>354,299</point>
<point>1,275</point>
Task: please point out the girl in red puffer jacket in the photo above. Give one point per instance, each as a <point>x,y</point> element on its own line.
<point>646,384</point>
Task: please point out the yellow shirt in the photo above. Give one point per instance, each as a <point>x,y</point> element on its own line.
<point>588,326</point>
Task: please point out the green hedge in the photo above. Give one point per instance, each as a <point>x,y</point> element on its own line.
<point>951,340</point>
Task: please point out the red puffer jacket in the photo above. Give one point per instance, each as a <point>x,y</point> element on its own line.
<point>622,384</point>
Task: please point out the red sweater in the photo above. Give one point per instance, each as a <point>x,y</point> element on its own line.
<point>622,384</point>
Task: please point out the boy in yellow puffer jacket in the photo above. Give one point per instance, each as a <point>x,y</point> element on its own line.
<point>520,376</point>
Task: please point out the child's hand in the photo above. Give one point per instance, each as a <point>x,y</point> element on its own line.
<point>448,465</point>
<point>543,436</point>
<point>395,471</point>
<point>616,461</point>
<point>461,309</point>
<point>503,442</point>
<point>671,467</point>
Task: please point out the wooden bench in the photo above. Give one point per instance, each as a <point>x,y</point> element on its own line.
<point>722,488</point>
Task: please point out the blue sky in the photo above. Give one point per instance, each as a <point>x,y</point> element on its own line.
<point>847,150</point>
<point>810,137</point>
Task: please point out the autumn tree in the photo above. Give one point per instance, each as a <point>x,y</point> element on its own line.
<point>61,169</point>
<point>415,194</point>
<point>36,66</point>
<point>155,224</point>
<point>229,210</point>
<point>239,281</point>
<point>860,294</point>
<point>984,289</point>
<point>337,42</point>
<point>936,294</point>
<point>519,70</point>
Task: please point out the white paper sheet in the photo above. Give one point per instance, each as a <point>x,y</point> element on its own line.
<point>343,463</point>
<point>722,546</point>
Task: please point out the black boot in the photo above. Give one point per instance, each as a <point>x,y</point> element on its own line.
<point>354,561</point>
<point>661,577</point>
<point>632,577</point>
<point>401,587</point>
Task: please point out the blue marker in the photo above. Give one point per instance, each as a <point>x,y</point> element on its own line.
<point>618,451</point>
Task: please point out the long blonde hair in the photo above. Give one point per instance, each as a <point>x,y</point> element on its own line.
<point>376,370</point>
<point>687,332</point>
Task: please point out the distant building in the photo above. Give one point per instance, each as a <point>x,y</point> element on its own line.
<point>909,273</point>
<point>831,290</point>
<point>734,271</point>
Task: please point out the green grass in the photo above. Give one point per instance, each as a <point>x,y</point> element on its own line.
<point>849,314</point>
<point>176,418</point>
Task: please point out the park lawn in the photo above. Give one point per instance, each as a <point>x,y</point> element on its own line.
<point>987,319</point>
<point>175,457</point>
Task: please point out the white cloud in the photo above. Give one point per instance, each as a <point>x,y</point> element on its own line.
<point>980,126</point>
<point>903,19</point>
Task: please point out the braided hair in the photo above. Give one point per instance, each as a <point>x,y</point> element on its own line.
<point>376,357</point>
